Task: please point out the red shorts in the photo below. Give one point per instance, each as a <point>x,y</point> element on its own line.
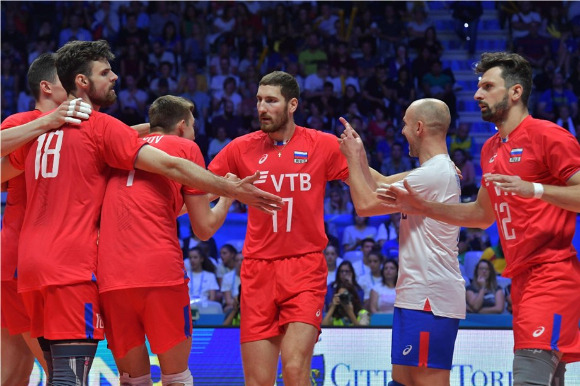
<point>161,313</point>
<point>14,315</point>
<point>546,306</point>
<point>65,312</point>
<point>277,292</point>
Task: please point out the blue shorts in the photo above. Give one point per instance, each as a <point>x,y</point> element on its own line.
<point>421,339</point>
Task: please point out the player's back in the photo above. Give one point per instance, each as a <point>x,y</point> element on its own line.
<point>138,243</point>
<point>66,172</point>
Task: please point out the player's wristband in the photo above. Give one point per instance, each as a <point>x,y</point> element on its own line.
<point>538,190</point>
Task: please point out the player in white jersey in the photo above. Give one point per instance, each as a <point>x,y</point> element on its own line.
<point>430,296</point>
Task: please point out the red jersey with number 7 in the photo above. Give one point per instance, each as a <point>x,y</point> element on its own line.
<point>66,173</point>
<point>138,245</point>
<point>15,205</point>
<point>532,231</point>
<point>298,172</point>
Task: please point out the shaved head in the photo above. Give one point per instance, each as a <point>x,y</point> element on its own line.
<point>433,113</point>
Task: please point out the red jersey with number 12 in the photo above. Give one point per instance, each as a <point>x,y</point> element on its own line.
<point>15,205</point>
<point>138,245</point>
<point>66,173</point>
<point>299,175</point>
<point>532,231</point>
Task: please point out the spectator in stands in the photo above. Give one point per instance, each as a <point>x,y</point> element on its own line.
<point>216,65</point>
<point>159,55</point>
<point>106,22</point>
<point>165,72</point>
<point>554,97</point>
<point>494,254</point>
<point>397,162</point>
<point>171,39</point>
<point>432,43</point>
<point>233,317</point>
<point>369,60</point>
<point>228,94</point>
<point>226,263</point>
<point>226,71</point>
<point>230,121</point>
<point>363,266</point>
<point>10,86</point>
<point>388,235</point>
<point>484,295</point>
<point>327,20</point>
<point>231,285</point>
<point>438,84</point>
<point>342,58</point>
<point>473,239</point>
<point>219,142</point>
<point>354,235</point>
<point>314,83</point>
<point>543,79</point>
<point>159,19</point>
<point>223,26</point>
<point>337,202</point>
<point>466,15</point>
<point>462,140</point>
<point>379,122</point>
<point>202,280</point>
<point>332,261</point>
<point>312,55</point>
<point>417,26</point>
<point>346,308</point>
<point>132,101</point>
<point>566,121</point>
<point>392,29</point>
<point>344,273</point>
<point>372,276</point>
<point>522,21</point>
<point>194,45</point>
<point>400,60</point>
<point>533,46</point>
<point>468,183</point>
<point>133,63</point>
<point>74,31</point>
<point>379,90</point>
<point>421,65</point>
<point>202,104</point>
<point>382,298</point>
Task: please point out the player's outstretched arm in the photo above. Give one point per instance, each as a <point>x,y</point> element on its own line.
<point>566,197</point>
<point>205,221</point>
<point>190,174</point>
<point>142,129</point>
<point>477,214</point>
<point>73,111</point>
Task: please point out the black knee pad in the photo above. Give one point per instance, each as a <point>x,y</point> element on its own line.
<point>534,367</point>
<point>72,361</point>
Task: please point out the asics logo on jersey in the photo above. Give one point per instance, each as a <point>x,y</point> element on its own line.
<point>492,158</point>
<point>407,350</point>
<point>290,181</point>
<point>263,159</point>
<point>317,313</point>
<point>539,331</point>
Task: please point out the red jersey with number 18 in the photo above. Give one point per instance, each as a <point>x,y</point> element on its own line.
<point>532,231</point>
<point>298,172</point>
<point>15,205</point>
<point>66,173</point>
<point>138,245</point>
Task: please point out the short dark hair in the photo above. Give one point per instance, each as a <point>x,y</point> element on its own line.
<point>515,69</point>
<point>166,111</point>
<point>76,57</point>
<point>288,85</point>
<point>42,68</point>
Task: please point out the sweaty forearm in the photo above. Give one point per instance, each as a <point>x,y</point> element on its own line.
<point>18,136</point>
<point>566,197</point>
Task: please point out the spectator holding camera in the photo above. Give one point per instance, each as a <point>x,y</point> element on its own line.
<point>346,308</point>
<point>344,273</point>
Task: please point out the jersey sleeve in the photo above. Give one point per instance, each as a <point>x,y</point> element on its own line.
<point>224,162</point>
<point>18,157</point>
<point>193,153</point>
<point>337,167</point>
<point>562,154</point>
<point>119,144</point>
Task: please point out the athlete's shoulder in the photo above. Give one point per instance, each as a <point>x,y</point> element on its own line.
<point>544,129</point>
<point>20,118</point>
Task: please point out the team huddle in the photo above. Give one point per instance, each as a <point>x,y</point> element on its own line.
<point>90,247</point>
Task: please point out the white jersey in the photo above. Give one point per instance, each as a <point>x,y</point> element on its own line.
<point>428,265</point>
<point>201,283</point>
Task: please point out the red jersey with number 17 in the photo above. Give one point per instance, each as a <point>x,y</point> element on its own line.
<point>297,172</point>
<point>532,231</point>
<point>138,245</point>
<point>66,173</point>
<point>15,205</point>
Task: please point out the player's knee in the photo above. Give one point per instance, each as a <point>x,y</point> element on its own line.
<point>144,380</point>
<point>183,378</point>
<point>533,367</point>
<point>71,363</point>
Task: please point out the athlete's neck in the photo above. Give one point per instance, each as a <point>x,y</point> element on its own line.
<point>84,97</point>
<point>283,135</point>
<point>515,116</point>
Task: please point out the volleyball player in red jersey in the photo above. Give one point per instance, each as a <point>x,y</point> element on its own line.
<point>18,348</point>
<point>66,175</point>
<point>284,272</point>
<point>142,278</point>
<point>531,188</point>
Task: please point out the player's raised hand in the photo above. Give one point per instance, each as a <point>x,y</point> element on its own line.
<point>511,184</point>
<point>246,192</point>
<point>73,111</point>
<point>350,143</point>
<point>402,200</point>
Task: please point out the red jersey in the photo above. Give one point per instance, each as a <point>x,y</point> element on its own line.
<point>138,245</point>
<point>532,231</point>
<point>15,205</point>
<point>66,174</point>
<point>299,175</point>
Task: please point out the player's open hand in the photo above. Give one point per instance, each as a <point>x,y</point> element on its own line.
<point>247,193</point>
<point>350,143</point>
<point>402,200</point>
<point>511,184</point>
<point>73,111</point>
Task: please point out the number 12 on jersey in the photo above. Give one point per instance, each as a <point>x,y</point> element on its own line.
<point>289,206</point>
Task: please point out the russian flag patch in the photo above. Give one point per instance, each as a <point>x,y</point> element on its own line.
<point>300,157</point>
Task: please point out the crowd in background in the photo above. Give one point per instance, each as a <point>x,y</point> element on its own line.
<point>365,61</point>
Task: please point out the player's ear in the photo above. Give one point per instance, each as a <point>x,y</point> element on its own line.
<point>45,87</point>
<point>293,105</point>
<point>516,91</point>
<point>81,81</point>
